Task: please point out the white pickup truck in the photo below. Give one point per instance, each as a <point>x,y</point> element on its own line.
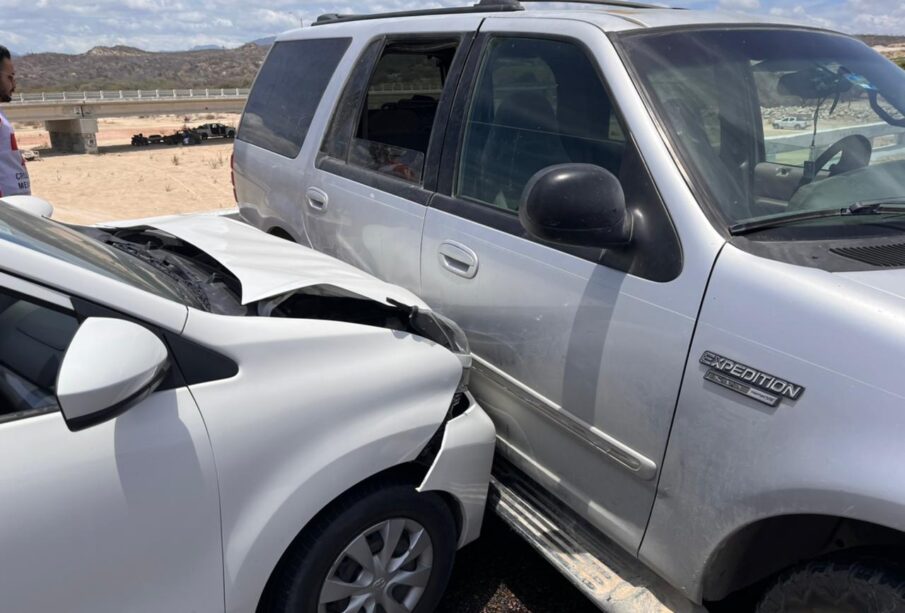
<point>791,123</point>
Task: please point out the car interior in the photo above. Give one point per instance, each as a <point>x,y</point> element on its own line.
<point>33,340</point>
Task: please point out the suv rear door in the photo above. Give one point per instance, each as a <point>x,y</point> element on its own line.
<point>579,352</point>
<point>366,197</point>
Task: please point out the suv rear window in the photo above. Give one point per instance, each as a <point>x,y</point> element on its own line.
<point>287,92</point>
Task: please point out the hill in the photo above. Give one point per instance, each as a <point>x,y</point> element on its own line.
<point>120,67</point>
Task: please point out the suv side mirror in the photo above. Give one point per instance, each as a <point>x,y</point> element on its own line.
<point>576,204</point>
<point>110,366</point>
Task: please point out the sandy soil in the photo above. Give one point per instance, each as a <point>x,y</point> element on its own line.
<point>124,182</point>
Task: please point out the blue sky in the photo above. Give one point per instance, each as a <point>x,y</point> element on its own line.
<point>70,26</point>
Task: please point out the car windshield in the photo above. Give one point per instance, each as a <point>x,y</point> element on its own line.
<point>774,124</point>
<point>65,243</point>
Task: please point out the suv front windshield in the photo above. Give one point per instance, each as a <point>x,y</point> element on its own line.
<point>780,127</point>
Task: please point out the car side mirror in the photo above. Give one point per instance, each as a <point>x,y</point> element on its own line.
<point>110,366</point>
<point>576,204</point>
<point>30,204</point>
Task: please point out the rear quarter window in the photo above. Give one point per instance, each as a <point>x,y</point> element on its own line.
<point>287,92</point>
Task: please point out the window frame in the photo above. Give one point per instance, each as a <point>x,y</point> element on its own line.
<point>335,161</point>
<point>661,267</point>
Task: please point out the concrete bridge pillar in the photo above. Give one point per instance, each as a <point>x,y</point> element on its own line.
<point>73,135</point>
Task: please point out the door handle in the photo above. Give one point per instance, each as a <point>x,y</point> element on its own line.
<point>458,259</point>
<point>317,199</point>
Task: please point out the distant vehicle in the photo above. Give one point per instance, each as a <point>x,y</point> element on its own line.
<point>215,130</point>
<point>791,123</point>
<point>183,137</point>
<point>140,140</point>
<point>155,139</point>
<point>31,155</point>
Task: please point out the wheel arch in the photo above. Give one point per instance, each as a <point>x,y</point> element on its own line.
<point>411,473</point>
<point>770,545</point>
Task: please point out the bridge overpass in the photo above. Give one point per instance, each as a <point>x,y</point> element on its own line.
<point>71,117</point>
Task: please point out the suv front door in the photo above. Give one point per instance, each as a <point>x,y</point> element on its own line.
<point>579,352</point>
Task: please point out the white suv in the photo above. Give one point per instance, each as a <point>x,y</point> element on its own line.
<point>195,416</point>
<point>687,327</point>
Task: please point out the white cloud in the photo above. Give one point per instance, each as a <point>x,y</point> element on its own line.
<point>739,5</point>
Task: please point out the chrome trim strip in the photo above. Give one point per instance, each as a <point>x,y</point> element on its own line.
<point>639,465</point>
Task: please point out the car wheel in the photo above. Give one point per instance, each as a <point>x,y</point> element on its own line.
<point>859,586</point>
<point>388,549</point>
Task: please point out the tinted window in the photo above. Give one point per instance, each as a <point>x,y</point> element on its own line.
<point>397,115</point>
<point>537,103</point>
<point>33,339</point>
<point>287,92</point>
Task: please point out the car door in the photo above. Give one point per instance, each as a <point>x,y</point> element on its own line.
<point>579,352</point>
<point>122,516</point>
<point>366,195</point>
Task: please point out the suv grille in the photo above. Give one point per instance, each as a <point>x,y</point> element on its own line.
<point>886,256</point>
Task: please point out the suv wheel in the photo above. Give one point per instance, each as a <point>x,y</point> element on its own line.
<point>860,586</point>
<point>389,549</point>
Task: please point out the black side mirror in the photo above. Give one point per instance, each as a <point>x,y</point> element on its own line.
<point>576,204</point>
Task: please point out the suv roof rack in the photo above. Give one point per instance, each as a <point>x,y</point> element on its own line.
<point>626,4</point>
<point>483,6</point>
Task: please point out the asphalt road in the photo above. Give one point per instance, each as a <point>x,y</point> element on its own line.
<point>500,573</point>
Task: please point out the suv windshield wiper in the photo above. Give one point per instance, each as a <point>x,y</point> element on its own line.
<point>867,207</point>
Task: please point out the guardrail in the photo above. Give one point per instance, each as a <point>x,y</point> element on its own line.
<point>134,94</point>
<point>802,139</point>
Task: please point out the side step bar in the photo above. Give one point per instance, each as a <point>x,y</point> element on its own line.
<point>614,580</point>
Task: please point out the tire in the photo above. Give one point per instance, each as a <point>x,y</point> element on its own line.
<point>869,585</point>
<point>338,544</point>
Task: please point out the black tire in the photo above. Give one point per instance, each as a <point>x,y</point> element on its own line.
<point>867,585</point>
<point>321,550</point>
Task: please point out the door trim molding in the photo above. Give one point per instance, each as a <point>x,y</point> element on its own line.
<point>636,463</point>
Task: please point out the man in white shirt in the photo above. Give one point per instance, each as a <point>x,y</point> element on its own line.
<point>13,174</point>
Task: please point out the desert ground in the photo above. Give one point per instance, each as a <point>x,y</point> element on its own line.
<point>124,182</point>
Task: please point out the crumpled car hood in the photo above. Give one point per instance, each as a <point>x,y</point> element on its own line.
<point>267,266</point>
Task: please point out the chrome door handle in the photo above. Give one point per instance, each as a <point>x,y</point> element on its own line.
<point>458,259</point>
<point>317,199</point>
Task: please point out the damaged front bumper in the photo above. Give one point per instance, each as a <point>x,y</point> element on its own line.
<point>462,466</point>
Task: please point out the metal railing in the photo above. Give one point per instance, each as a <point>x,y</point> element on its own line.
<point>133,94</point>
<point>882,135</point>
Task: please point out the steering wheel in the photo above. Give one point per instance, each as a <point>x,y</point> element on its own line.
<point>855,149</point>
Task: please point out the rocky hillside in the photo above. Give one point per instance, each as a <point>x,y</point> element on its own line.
<point>113,68</point>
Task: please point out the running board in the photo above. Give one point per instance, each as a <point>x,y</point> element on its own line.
<point>611,578</point>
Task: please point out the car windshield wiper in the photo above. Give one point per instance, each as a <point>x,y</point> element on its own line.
<point>167,267</point>
<point>867,207</point>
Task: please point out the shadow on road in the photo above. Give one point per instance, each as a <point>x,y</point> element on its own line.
<point>500,573</point>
